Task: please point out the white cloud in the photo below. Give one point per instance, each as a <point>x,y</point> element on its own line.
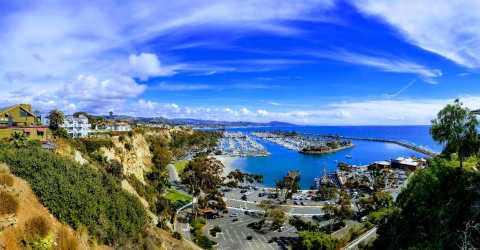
<point>182,86</point>
<point>11,76</point>
<point>38,58</point>
<point>464,74</point>
<point>387,64</point>
<point>144,66</point>
<point>274,103</point>
<point>448,28</point>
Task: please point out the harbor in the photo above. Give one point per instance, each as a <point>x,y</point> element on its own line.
<point>239,144</point>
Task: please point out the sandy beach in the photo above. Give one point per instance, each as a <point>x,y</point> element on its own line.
<point>227,161</point>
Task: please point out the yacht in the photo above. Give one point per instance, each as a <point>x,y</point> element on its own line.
<point>348,156</point>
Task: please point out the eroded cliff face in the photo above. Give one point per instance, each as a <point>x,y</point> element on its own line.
<point>135,161</point>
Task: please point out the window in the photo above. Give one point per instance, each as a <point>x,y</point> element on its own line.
<point>40,134</point>
<point>23,114</point>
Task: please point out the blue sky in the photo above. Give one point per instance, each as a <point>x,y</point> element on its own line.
<point>307,62</point>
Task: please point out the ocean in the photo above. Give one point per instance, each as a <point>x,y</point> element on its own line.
<point>282,160</point>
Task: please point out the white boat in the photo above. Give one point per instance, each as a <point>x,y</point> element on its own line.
<point>348,156</point>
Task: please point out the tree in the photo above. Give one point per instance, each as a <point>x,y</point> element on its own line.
<point>329,210</point>
<point>455,127</point>
<point>202,175</point>
<point>56,118</point>
<point>258,179</point>
<point>91,119</point>
<point>36,114</point>
<point>111,113</point>
<point>344,167</point>
<point>265,204</point>
<point>291,187</point>
<point>161,157</point>
<point>19,138</point>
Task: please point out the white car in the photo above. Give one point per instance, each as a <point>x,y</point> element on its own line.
<point>327,202</point>
<point>234,215</point>
<point>283,228</point>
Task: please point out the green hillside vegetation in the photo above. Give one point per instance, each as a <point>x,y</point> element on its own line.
<point>79,194</point>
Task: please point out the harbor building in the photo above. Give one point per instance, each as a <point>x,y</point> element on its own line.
<point>412,162</point>
<point>20,118</point>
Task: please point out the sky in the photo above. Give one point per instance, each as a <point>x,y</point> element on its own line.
<point>310,62</point>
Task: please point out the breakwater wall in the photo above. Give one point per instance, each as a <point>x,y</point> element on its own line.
<point>418,149</point>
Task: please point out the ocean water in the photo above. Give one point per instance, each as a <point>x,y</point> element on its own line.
<point>282,160</point>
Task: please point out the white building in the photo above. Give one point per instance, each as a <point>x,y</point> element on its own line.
<point>76,127</point>
<point>121,126</point>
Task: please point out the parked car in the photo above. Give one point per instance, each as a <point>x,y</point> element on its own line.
<point>303,203</point>
<point>296,216</point>
<point>295,202</point>
<point>327,202</point>
<point>234,215</point>
<point>244,197</point>
<point>243,191</point>
<point>283,228</point>
<point>272,206</point>
<point>363,219</point>
<point>247,212</point>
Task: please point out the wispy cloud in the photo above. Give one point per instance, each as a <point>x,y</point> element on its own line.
<point>451,34</point>
<point>390,64</point>
<point>263,78</point>
<point>464,74</point>
<point>274,103</point>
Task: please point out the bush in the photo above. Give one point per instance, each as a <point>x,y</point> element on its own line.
<point>235,219</point>
<point>115,168</point>
<point>217,229</point>
<point>4,168</point>
<point>367,224</point>
<point>36,228</point>
<point>60,133</point>
<point>213,233</point>
<point>6,179</point>
<point>177,235</point>
<point>130,133</point>
<point>8,204</point>
<point>128,146</point>
<point>249,237</point>
<point>99,156</point>
<point>204,242</point>
<point>79,194</point>
<point>270,241</point>
<point>93,145</point>
<point>34,144</point>
<point>121,138</point>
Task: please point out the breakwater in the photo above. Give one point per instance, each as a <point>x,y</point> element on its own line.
<point>418,149</point>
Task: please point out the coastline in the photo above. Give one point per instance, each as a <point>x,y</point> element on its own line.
<point>328,151</point>
<point>227,161</point>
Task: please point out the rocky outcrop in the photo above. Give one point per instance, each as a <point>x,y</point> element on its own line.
<point>418,149</point>
<point>10,220</point>
<point>135,161</point>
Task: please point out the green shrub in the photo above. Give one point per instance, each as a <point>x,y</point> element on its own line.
<point>177,235</point>
<point>249,237</point>
<point>130,133</point>
<point>367,224</point>
<point>79,194</point>
<point>217,229</point>
<point>93,145</point>
<point>214,233</point>
<point>121,138</point>
<point>34,144</point>
<point>270,241</point>
<point>99,156</point>
<point>36,227</point>
<point>60,133</point>
<point>128,146</point>
<point>8,204</point>
<point>235,219</point>
<point>115,168</point>
<point>204,242</point>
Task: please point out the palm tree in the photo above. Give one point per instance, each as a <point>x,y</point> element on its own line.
<point>111,113</point>
<point>19,138</point>
<point>36,113</point>
<point>56,118</point>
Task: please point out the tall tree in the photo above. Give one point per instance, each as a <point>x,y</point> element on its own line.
<point>56,118</point>
<point>111,113</point>
<point>291,187</point>
<point>455,127</point>
<point>36,114</point>
<point>344,167</point>
<point>265,205</point>
<point>258,179</point>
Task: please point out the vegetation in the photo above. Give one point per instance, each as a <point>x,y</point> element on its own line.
<point>315,240</point>
<point>177,198</point>
<point>177,235</point>
<point>19,138</point>
<point>36,228</point>
<point>79,194</point>
<point>6,180</point>
<point>56,118</point>
<point>60,132</point>
<point>180,166</point>
<point>8,203</point>
<point>456,127</point>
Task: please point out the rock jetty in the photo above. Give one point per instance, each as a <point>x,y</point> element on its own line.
<point>418,149</point>
<point>327,151</point>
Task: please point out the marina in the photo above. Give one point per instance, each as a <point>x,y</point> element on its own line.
<point>239,144</point>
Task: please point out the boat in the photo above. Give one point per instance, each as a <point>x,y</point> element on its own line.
<point>348,156</point>
<point>334,160</point>
<point>328,158</point>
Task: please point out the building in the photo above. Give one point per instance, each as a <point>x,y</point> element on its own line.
<point>76,127</point>
<point>121,126</point>
<point>20,118</point>
<point>382,164</point>
<point>412,162</point>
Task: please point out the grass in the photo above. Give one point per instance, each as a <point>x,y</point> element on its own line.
<point>177,198</point>
<point>180,166</point>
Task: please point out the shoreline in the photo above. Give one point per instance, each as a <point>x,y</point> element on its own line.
<point>328,151</point>
<point>227,162</point>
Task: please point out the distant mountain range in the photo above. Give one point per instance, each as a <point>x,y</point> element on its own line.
<point>198,123</point>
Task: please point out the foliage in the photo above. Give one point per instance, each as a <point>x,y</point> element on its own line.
<point>99,156</point>
<point>344,167</point>
<point>36,227</point>
<point>161,157</point>
<point>204,242</point>
<point>315,241</point>
<point>8,203</point>
<point>60,132</point>
<point>431,211</point>
<point>66,241</point>
<point>41,244</point>
<point>177,235</point>
<point>249,237</point>
<point>18,138</point>
<point>235,219</point>
<point>218,152</point>
<point>265,204</point>
<point>158,180</point>
<point>456,127</point>
<point>121,138</point>
<point>56,118</point>
<point>6,180</point>
<point>33,144</point>
<point>92,145</point>
<point>179,166</point>
<point>145,191</point>
<point>5,145</point>
<point>128,146</point>
<point>79,194</point>
<point>115,168</point>
<point>91,120</point>
<point>217,229</point>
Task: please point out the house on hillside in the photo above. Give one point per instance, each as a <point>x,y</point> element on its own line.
<point>120,126</point>
<point>20,118</point>
<point>76,127</point>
